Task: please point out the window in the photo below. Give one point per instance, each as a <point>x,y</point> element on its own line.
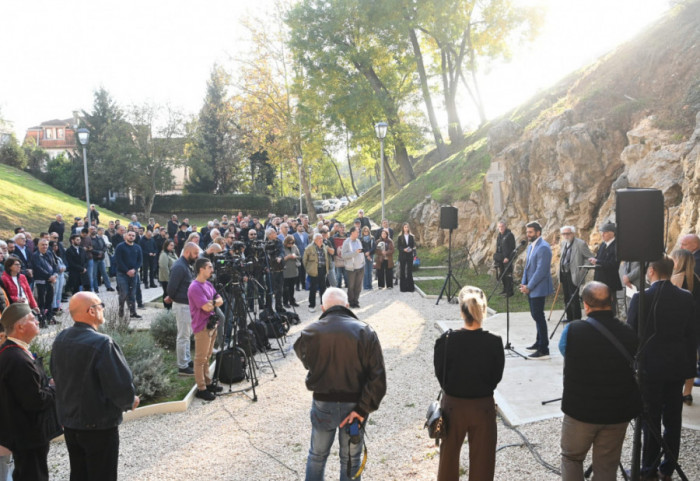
<point>48,134</point>
<point>60,134</point>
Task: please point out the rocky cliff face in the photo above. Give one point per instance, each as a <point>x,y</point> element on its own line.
<point>564,170</point>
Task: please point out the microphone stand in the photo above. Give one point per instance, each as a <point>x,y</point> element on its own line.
<point>576,291</point>
<point>513,256</point>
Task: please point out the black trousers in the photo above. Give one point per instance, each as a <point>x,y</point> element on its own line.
<point>44,300</point>
<point>75,280</point>
<point>385,275</point>
<point>573,312</point>
<point>148,270</point>
<point>288,292</point>
<point>664,402</point>
<point>94,455</point>
<point>318,283</point>
<point>276,286</point>
<point>30,464</point>
<point>507,278</point>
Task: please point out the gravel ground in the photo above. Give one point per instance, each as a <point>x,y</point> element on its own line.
<point>233,438</point>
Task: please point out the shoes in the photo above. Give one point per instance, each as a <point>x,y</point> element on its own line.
<point>190,364</point>
<point>297,289</point>
<point>135,315</point>
<point>187,372</point>
<point>312,308</point>
<point>110,289</point>
<point>538,355</point>
<point>355,305</point>
<point>532,348</point>
<point>214,388</point>
<point>205,394</point>
<point>153,286</point>
<point>141,306</point>
<point>688,400</point>
<point>286,305</point>
<point>294,304</point>
<point>97,290</point>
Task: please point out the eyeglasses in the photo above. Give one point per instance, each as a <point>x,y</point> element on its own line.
<point>95,305</point>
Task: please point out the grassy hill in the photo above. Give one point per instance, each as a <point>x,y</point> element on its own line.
<point>32,204</point>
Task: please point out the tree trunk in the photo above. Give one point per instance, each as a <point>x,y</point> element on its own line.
<point>345,192</point>
<point>426,94</point>
<point>347,153</point>
<point>390,173</point>
<point>307,193</point>
<point>392,113</point>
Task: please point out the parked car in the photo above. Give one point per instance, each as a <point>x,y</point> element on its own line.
<point>342,203</point>
<point>318,205</point>
<point>327,207</point>
<point>334,203</point>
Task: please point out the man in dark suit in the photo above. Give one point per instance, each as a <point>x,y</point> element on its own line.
<point>574,254</point>
<point>606,263</point>
<point>505,245</point>
<point>691,242</point>
<point>537,284</point>
<point>667,359</point>
<point>26,396</point>
<point>76,262</point>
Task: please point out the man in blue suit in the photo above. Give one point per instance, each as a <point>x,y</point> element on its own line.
<point>537,284</point>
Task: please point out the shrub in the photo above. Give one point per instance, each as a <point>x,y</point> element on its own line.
<point>164,330</point>
<point>145,359</point>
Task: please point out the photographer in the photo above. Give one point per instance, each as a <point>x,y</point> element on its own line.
<point>203,301</point>
<point>255,252</point>
<point>275,253</point>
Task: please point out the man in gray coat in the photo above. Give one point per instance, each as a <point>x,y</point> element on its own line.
<point>574,254</point>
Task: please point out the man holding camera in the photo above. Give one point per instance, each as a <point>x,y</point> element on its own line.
<point>348,380</point>
<point>203,301</point>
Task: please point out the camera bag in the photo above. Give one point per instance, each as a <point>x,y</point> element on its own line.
<point>230,366</point>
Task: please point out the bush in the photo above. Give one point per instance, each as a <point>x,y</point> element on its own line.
<point>145,359</point>
<point>164,330</point>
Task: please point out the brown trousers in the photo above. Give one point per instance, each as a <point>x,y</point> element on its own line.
<point>477,419</point>
<point>203,347</point>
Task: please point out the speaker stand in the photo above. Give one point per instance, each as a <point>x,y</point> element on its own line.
<point>447,286</point>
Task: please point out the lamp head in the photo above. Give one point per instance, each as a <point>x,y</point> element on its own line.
<point>380,129</point>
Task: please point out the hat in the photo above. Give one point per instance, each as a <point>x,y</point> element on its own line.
<point>156,226</point>
<point>608,227</point>
<point>14,313</point>
<point>185,224</point>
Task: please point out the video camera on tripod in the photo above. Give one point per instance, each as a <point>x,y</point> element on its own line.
<point>230,268</point>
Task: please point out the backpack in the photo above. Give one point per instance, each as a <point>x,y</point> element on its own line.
<point>230,366</point>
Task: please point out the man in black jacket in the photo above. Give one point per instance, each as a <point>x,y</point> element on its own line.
<point>76,262</point>
<point>347,378</point>
<point>181,276</point>
<point>173,226</point>
<point>600,392</point>
<point>26,397</point>
<point>58,226</point>
<point>94,386</point>
<point>45,276</point>
<point>665,362</point>
<point>505,245</point>
<point>607,265</point>
<point>150,261</point>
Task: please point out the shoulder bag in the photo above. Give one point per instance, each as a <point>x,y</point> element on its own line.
<point>435,419</point>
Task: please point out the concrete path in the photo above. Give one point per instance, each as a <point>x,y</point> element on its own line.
<point>527,383</point>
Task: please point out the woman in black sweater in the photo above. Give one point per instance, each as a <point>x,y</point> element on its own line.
<point>468,373</point>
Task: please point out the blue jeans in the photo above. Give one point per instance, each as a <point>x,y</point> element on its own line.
<point>367,282</point>
<point>127,290</point>
<point>340,274</point>
<point>91,273</point>
<point>101,269</point>
<point>325,418</point>
<point>537,313</point>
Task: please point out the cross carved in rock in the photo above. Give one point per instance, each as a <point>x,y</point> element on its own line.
<point>496,176</point>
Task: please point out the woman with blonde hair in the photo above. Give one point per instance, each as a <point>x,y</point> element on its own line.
<point>684,277</point>
<point>469,365</point>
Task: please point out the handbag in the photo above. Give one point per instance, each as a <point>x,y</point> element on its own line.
<point>435,419</point>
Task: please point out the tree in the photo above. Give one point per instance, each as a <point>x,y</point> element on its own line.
<point>340,40</point>
<point>12,154</point>
<point>215,150</point>
<point>62,171</point>
<point>37,158</point>
<point>157,134</point>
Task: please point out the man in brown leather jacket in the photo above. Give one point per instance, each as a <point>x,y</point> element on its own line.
<point>345,390</point>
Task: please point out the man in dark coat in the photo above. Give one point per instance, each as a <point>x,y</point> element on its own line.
<point>607,265</point>
<point>665,362</point>
<point>76,262</point>
<point>27,399</point>
<point>600,392</point>
<point>173,226</point>
<point>505,245</point>
<point>691,242</point>
<point>58,226</point>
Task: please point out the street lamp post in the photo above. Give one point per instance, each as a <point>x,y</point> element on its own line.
<point>380,129</point>
<point>84,136</point>
<point>301,209</point>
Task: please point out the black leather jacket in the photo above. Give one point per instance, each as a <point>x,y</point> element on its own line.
<point>357,373</point>
<point>93,382</point>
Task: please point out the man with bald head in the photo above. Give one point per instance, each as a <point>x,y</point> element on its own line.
<point>600,393</point>
<point>181,276</point>
<point>94,386</point>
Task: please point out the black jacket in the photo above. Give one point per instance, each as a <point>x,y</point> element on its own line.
<point>344,360</point>
<point>505,245</point>
<point>25,399</point>
<point>607,268</point>
<point>669,351</point>
<point>43,267</point>
<point>94,385</point>
<point>59,228</point>
<point>181,277</point>
<point>76,260</point>
<point>599,383</point>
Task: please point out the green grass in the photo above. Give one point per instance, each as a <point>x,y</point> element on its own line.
<point>32,204</point>
<point>179,386</point>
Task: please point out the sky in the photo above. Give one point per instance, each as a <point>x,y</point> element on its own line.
<point>54,55</point>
